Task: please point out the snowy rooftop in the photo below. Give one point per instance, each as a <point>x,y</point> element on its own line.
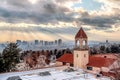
<point>57,73</point>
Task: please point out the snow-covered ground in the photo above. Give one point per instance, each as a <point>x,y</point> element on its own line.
<point>57,73</point>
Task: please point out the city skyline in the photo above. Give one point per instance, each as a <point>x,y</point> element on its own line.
<point>49,20</point>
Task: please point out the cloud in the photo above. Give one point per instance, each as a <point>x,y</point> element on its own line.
<point>42,12</point>
<point>99,21</point>
<point>38,32</point>
<point>104,18</point>
<point>52,12</point>
<point>34,29</point>
<point>18,3</point>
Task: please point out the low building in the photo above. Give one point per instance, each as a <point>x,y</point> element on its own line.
<point>95,65</point>
<point>98,64</point>
<point>66,59</point>
<point>80,57</point>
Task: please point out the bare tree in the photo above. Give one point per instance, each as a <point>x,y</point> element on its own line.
<point>116,70</point>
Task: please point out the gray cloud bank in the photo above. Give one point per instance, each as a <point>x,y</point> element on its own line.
<point>53,11</point>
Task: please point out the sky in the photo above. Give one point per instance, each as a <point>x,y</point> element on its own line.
<point>53,19</point>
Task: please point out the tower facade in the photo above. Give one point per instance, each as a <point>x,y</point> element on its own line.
<point>81,55</point>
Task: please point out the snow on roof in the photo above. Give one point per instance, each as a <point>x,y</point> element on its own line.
<point>55,75</point>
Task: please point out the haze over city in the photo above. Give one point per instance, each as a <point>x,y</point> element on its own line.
<point>54,19</point>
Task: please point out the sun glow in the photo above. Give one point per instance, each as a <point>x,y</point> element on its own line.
<point>33,1</point>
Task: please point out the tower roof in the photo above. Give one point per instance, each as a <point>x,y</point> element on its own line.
<point>81,34</point>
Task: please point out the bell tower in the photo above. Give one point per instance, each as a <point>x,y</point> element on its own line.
<point>81,40</point>
<point>81,55</point>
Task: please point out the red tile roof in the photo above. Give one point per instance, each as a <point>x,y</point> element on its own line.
<point>109,55</point>
<point>93,61</point>
<point>118,69</point>
<point>109,74</point>
<point>68,58</point>
<point>100,61</point>
<point>81,34</point>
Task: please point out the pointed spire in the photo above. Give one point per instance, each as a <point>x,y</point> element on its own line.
<point>81,34</point>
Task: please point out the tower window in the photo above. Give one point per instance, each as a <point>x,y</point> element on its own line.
<point>64,63</point>
<point>77,55</point>
<point>84,55</point>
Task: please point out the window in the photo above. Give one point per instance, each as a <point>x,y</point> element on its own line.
<point>83,43</point>
<point>84,55</point>
<point>64,63</point>
<point>77,55</point>
<point>71,65</point>
<point>89,68</point>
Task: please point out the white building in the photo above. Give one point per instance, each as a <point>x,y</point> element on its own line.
<point>81,58</point>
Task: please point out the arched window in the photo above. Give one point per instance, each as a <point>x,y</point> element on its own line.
<point>77,55</point>
<point>78,43</point>
<point>84,43</point>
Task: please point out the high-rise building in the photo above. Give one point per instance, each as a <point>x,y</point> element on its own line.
<point>56,42</point>
<point>24,42</point>
<point>41,42</point>
<point>46,42</point>
<point>18,41</point>
<point>59,41</point>
<point>36,42</point>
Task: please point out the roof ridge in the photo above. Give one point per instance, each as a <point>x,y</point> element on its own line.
<point>81,34</point>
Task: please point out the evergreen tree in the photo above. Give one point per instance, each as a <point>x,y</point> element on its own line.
<point>107,50</point>
<point>59,53</point>
<point>94,51</point>
<point>102,49</point>
<point>1,63</point>
<point>10,56</point>
<point>68,51</point>
<point>55,51</point>
<point>114,49</point>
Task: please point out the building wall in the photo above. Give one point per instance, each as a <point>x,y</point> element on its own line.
<point>61,63</point>
<point>112,66</point>
<point>58,63</point>
<point>95,70</point>
<point>81,58</point>
<point>105,69</point>
<point>98,69</point>
<point>116,64</point>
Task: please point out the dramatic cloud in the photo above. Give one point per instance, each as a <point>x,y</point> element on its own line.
<point>101,22</point>
<point>104,18</point>
<point>57,17</point>
<point>42,12</point>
